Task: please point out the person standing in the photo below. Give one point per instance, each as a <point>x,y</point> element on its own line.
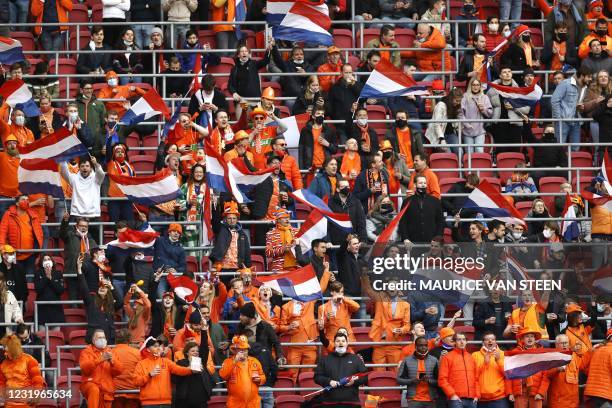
<point>598,388</point>
<point>458,376</point>
<point>127,352</point>
<point>419,373</point>
<point>563,390</point>
<point>19,370</point>
<point>490,367</point>
<point>85,187</point>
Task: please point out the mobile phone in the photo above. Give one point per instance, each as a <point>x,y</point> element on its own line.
<point>421,376</point>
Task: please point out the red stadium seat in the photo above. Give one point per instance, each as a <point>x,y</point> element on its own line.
<point>64,66</point>
<point>361,335</point>
<point>143,164</point>
<point>343,38</point>
<point>59,263</point>
<point>192,263</point>
<point>479,161</point>
<point>447,183</point>
<point>508,160</point>
<point>383,379</point>
<point>217,402</point>
<point>77,338</point>
<point>390,403</point>
<point>306,380</point>
<point>26,39</point>
<point>78,14</point>
<point>585,181</point>
<point>75,383</point>
<point>301,211</point>
<point>284,382</point>
<point>581,159</point>
<point>377,112</point>
<point>444,161</point>
<point>523,207</point>
<point>289,401</point>
<point>150,140</point>
<point>132,140</point>
<point>56,338</point>
<point>494,181</point>
<point>354,62</point>
<point>550,185</point>
<point>29,314</point>
<point>224,67</point>
<point>66,361</point>
<point>257,263</point>
<point>368,34</point>
<point>537,39</point>
<point>207,36</point>
<point>96,13</point>
<point>404,37</point>
<point>284,111</point>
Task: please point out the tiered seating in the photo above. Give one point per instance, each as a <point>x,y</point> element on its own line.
<point>444,161</point>
<point>508,160</point>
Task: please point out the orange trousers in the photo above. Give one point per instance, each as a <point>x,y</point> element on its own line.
<point>386,355</point>
<point>122,402</point>
<point>525,401</point>
<point>96,398</point>
<point>301,355</point>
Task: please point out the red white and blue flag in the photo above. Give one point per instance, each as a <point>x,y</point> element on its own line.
<point>183,286</point>
<point>385,237</point>
<point>40,176</point>
<point>59,146</point>
<point>169,127</point>
<point>570,229</point>
<point>519,273</point>
<point>149,105</point>
<point>519,96</point>
<point>148,190</point>
<point>487,200</point>
<point>207,235</point>
<point>240,15</point>
<point>294,125</point>
<point>598,199</point>
<point>314,227</point>
<point>300,284</point>
<point>386,81</point>
<point>525,363</point>
<point>198,73</point>
<point>601,281</point>
<point>311,200</point>
<point>136,239</point>
<point>300,21</point>
<point>11,51</point>
<point>16,94</point>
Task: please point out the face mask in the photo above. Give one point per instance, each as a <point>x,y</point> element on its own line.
<point>298,61</point>
<point>47,264</point>
<point>547,233</point>
<point>421,190</point>
<point>421,40</point>
<point>507,33</point>
<point>386,208</point>
<point>139,257</point>
<point>344,191</point>
<point>341,350</point>
<point>601,307</point>
<point>526,38</point>
<point>602,33</point>
<point>517,235</point>
<point>565,2</point>
<point>401,123</point>
<point>19,120</point>
<point>387,155</point>
<point>73,116</point>
<point>111,124</point>
<point>493,27</point>
<point>113,82</point>
<point>11,259</point>
<point>562,36</point>
<point>549,134</point>
<point>101,257</point>
<point>362,122</point>
<point>100,343</point>
<point>469,8</point>
<point>24,205</point>
<point>45,109</point>
<point>319,120</point>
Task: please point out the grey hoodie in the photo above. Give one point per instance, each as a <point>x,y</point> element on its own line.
<point>469,110</point>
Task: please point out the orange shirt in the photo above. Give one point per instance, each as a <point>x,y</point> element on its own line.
<point>23,134</point>
<point>318,154</point>
<point>242,392</point>
<point>225,12</point>
<point>233,154</point>
<point>41,210</point>
<point>350,161</point>
<point>124,169</point>
<point>307,329</point>
<point>26,236</point>
<point>189,137</point>
<point>410,348</point>
<point>261,145</point>
<point>9,185</point>
<point>129,357</point>
<point>422,388</point>
<point>341,317</point>
<point>121,92</point>
<point>433,186</point>
<point>137,333</point>
<point>580,335</point>
<point>23,372</point>
<point>405,145</point>
<point>274,199</point>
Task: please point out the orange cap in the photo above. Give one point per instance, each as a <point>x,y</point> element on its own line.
<point>385,145</point>
<point>446,331</point>
<point>281,213</point>
<point>7,249</point>
<point>527,330</point>
<point>333,49</point>
<point>240,342</point>
<point>268,93</point>
<point>258,111</point>
<point>176,227</point>
<point>11,138</point>
<point>573,308</point>
<point>229,208</point>
<point>240,135</point>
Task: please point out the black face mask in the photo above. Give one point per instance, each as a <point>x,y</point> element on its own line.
<point>345,191</point>
<point>386,208</point>
<point>421,190</point>
<point>469,8</point>
<point>387,155</point>
<point>401,123</point>
<point>526,38</point>
<point>562,36</point>
<point>319,120</point>
<point>549,135</point>
<point>602,33</point>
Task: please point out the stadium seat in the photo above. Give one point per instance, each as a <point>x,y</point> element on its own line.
<point>390,403</point>
<point>404,37</point>
<point>306,380</point>
<point>84,38</point>
<point>537,39</point>
<point>523,207</point>
<point>77,338</point>
<point>75,383</point>
<point>224,67</point>
<point>368,34</point>
<point>29,313</point>
<point>585,181</point>
<point>143,164</point>
<point>192,263</point>
<point>479,161</point>
<point>494,181</point>
<point>581,159</point>
<point>289,401</point>
<point>56,338</point>
<point>508,160</point>
<point>444,161</point>
<point>284,111</point>
<point>207,36</point>
<point>59,263</point>
<point>217,402</point>
<point>343,38</point>
<point>257,263</point>
<point>301,211</point>
<point>26,39</point>
<point>96,13</point>
<point>64,66</point>
<point>377,112</point>
<point>66,361</point>
<point>354,62</point>
<point>284,382</point>
<point>78,14</point>
<point>447,183</point>
<point>361,335</point>
<point>383,379</point>
<point>550,185</point>
<point>132,141</point>
<point>151,141</point>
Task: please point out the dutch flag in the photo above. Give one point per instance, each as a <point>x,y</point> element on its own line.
<point>40,176</point>
<point>15,92</point>
<point>149,105</point>
<point>570,229</point>
<point>519,96</point>
<point>11,51</point>
<point>148,190</point>
<point>59,146</point>
<point>314,227</point>
<point>300,21</point>
<point>525,363</point>
<point>387,81</point>
<point>300,284</point>
<point>488,201</point>
<point>311,200</point>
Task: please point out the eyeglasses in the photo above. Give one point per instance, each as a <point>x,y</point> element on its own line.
<point>259,118</point>
<point>281,144</point>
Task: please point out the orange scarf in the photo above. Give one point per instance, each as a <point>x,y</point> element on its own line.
<point>365,136</point>
<point>528,54</point>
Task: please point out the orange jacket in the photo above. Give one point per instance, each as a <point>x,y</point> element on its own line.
<point>491,378</point>
<point>137,333</point>
<point>156,390</point>
<point>536,384</point>
<point>129,357</point>
<point>225,12</point>
<point>9,184</point>
<point>24,372</point>
<point>431,60</point>
<point>23,134</point>
<point>564,393</point>
<point>179,339</point>
<point>342,318</point>
<point>307,330</point>
<point>119,92</point>
<point>292,172</point>
<point>600,373</point>
<point>459,375</point>
<point>326,81</point>
<point>242,392</point>
<point>433,186</point>
<point>264,313</point>
<point>98,371</point>
<point>601,219</point>
<point>10,232</point>
<point>584,49</point>
<point>384,321</point>
<point>63,6</point>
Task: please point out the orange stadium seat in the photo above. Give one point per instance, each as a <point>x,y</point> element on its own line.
<point>550,185</point>
<point>479,161</point>
<point>447,183</point>
<point>306,380</point>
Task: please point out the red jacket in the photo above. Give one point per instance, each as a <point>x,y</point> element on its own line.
<point>10,231</point>
<point>459,375</point>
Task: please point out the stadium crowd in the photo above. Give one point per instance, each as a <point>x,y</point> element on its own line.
<point>240,343</point>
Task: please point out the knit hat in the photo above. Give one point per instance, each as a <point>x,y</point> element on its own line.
<point>157,30</point>
<point>7,249</point>
<point>248,310</point>
<point>522,29</point>
<point>573,308</point>
<point>195,318</point>
<point>281,213</point>
<point>175,227</point>
<point>110,74</point>
<point>446,331</point>
<point>240,342</point>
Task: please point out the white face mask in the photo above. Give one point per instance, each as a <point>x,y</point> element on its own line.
<point>493,27</point>
<point>100,343</point>
<point>19,120</point>
<point>298,61</point>
<point>11,259</point>
<point>47,264</point>
<point>73,116</point>
<point>139,257</point>
<point>547,233</point>
<point>507,33</point>
<point>517,235</point>
<point>601,307</point>
<point>113,82</point>
<point>101,257</point>
<point>422,40</point>
<point>341,350</point>
<point>362,122</point>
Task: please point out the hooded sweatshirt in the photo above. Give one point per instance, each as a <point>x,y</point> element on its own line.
<point>156,390</point>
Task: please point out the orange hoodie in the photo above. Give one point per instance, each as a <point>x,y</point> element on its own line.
<point>98,371</point>
<point>21,373</point>
<point>459,375</point>
<point>137,333</point>
<point>63,7</point>
<point>129,357</point>
<point>179,340</point>
<point>341,318</point>
<point>156,390</point>
<point>491,378</point>
<point>242,392</point>
<point>326,81</point>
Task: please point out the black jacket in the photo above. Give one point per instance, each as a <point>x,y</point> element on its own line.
<point>467,65</point>
<point>262,194</point>
<point>550,156</point>
<point>556,305</point>
<point>96,318</point>
<point>301,103</point>
<point>90,61</point>
<point>336,367</point>
<point>222,243</point>
<point>452,205</point>
<point>218,100</point>
<point>514,57</point>
<point>352,206</point>
<point>269,366</point>
<point>485,310</point>
<point>603,115</point>
<point>292,85</point>
<point>362,192</point>
<point>49,289</point>
<point>265,336</point>
<point>306,146</point>
<point>34,124</point>
<point>349,271</point>
<point>341,99</point>
<point>423,219</point>
<point>145,10</point>
<point>194,389</point>
<point>72,246</point>
<point>177,84</point>
<point>122,64</point>
<point>244,78</point>
<point>16,281</point>
<point>367,6</point>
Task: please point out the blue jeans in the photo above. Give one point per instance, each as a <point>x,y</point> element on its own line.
<point>500,403</point>
<point>463,403</point>
<point>142,34</point>
<point>474,140</point>
<point>510,10</point>
<point>52,41</point>
<point>18,14</point>
<point>267,398</point>
<point>452,138</point>
<point>119,284</point>
<point>563,130</point>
